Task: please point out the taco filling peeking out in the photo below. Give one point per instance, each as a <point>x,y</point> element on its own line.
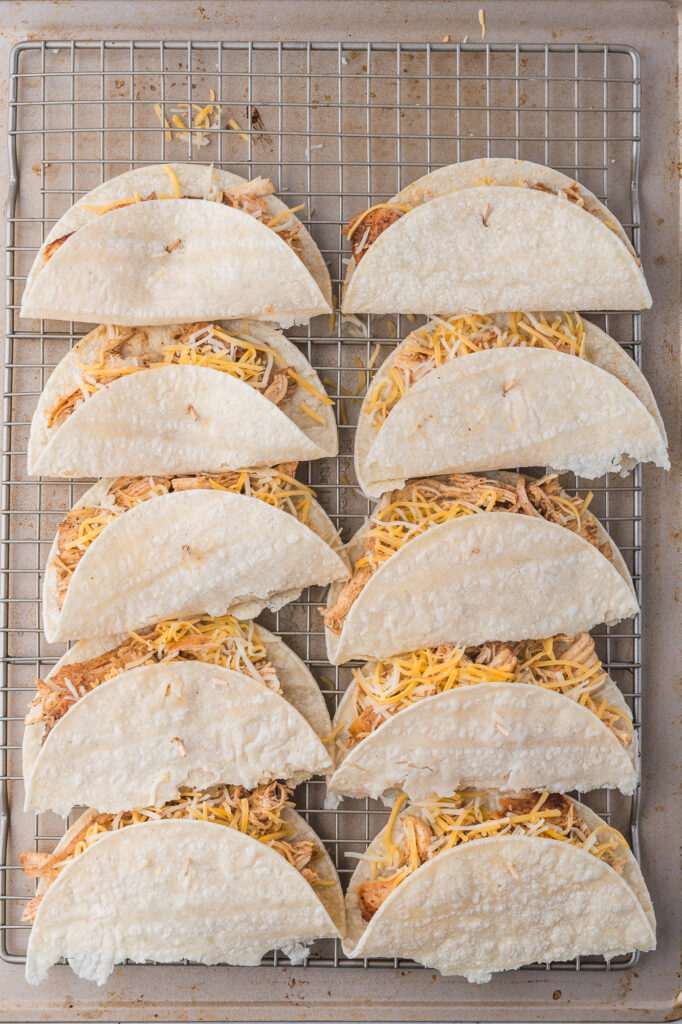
<point>564,664</point>
<point>222,641</point>
<point>125,351</point>
<point>81,526</point>
<point>433,826</point>
<point>256,812</point>
<point>444,339</point>
<point>249,197</point>
<point>366,226</point>
<point>406,513</point>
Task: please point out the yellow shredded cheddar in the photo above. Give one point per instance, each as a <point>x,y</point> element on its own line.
<point>311,412</point>
<point>173,177</point>
<point>565,664</point>
<point>442,340</point>
<point>257,813</point>
<point>422,830</point>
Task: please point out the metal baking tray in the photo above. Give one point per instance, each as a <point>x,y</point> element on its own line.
<point>336,126</point>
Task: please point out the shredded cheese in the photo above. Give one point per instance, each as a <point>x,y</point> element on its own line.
<point>311,412</point>
<point>422,504</point>
<point>442,340</point>
<point>257,813</point>
<point>447,822</point>
<point>383,688</point>
<point>321,397</point>
<point>83,525</point>
<point>208,346</point>
<point>174,180</point>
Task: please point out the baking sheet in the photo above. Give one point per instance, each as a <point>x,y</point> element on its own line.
<point>363,349</point>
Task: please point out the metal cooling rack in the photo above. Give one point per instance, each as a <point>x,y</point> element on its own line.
<point>336,126</point>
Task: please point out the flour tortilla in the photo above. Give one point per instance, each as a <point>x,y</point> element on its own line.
<point>172,419</point>
<point>560,411</point>
<point>499,903</point>
<point>504,736</point>
<point>488,576</point>
<point>188,553</point>
<point>534,251</point>
<point>135,740</point>
<point>169,890</point>
<point>115,267</point>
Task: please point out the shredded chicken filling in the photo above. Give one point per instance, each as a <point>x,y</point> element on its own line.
<point>249,197</point>
<point>256,812</point>
<point>366,226</point>
<point>222,641</point>
<point>125,352</point>
<point>432,826</point>
<point>404,514</point>
<point>443,340</point>
<point>564,664</point>
<point>81,526</point>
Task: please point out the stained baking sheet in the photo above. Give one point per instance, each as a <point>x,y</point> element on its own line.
<point>647,992</point>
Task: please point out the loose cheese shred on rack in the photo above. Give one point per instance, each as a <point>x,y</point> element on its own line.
<point>164,121</point>
<point>375,353</point>
<point>236,127</point>
<point>444,340</point>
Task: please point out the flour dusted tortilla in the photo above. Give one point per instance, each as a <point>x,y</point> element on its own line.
<point>488,576</point>
<point>187,552</point>
<point>174,889</point>
<point>493,735</point>
<point>175,259</point>
<point>491,235</point>
<point>497,903</point>
<point>506,406</point>
<point>172,418</point>
<point>136,739</point>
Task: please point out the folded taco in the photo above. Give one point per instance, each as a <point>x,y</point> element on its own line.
<point>472,559</point>
<point>536,714</point>
<point>473,883</point>
<point>534,390</point>
<point>128,720</point>
<point>169,244</point>
<point>149,400</point>
<point>487,236</point>
<point>136,550</point>
<point>215,876</point>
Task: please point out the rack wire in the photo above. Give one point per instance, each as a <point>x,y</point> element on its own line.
<point>337,126</point>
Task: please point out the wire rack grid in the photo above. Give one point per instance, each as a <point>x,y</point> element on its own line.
<point>337,126</point>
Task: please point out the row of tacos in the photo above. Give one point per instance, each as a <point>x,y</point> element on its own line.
<point>482,698</point>
<point>460,394</point>
<point>167,244</point>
